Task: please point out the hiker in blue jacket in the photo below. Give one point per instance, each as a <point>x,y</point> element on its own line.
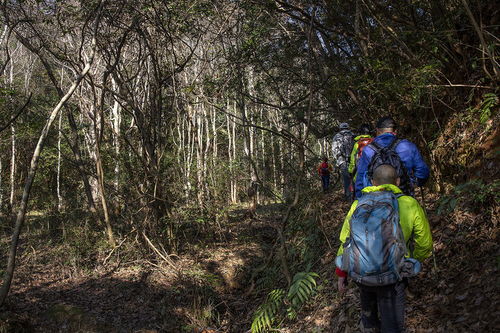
<point>409,154</point>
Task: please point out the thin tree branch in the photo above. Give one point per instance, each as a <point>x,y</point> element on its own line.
<point>13,119</point>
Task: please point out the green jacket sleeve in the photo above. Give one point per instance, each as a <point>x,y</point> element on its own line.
<point>422,235</point>
<point>352,160</point>
<point>415,227</point>
<point>344,233</point>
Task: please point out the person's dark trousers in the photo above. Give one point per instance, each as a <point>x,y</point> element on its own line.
<point>325,181</point>
<point>346,177</point>
<point>383,308</point>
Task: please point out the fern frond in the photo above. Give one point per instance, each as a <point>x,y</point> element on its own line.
<point>302,288</point>
<point>266,313</point>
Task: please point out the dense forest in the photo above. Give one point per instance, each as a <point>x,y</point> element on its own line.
<point>158,167</point>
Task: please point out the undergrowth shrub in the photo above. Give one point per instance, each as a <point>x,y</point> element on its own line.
<point>474,196</point>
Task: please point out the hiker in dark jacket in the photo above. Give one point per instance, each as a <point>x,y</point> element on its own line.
<point>409,154</point>
<point>342,147</point>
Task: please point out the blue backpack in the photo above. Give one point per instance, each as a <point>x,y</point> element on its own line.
<point>374,253</point>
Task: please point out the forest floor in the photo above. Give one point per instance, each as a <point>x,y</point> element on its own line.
<point>210,284</point>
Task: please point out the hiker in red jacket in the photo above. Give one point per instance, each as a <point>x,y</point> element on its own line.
<point>324,170</point>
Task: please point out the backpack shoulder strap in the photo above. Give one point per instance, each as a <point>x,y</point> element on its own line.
<point>394,144</point>
<point>375,146</point>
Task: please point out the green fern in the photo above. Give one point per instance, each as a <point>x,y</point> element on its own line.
<point>266,313</point>
<point>485,110</point>
<point>490,100</point>
<point>302,288</point>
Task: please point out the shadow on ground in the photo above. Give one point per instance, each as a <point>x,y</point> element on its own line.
<point>140,298</point>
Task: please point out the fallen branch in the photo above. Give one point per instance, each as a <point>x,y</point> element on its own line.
<point>117,247</point>
<point>165,257</point>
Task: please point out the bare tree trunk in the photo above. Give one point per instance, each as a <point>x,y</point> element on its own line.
<point>59,197</point>
<point>253,160</point>
<point>13,150</point>
<point>90,144</point>
<point>11,261</point>
<point>234,182</point>
<point>75,147</point>
<point>189,153</point>
<point>262,143</point>
<point>104,203</point>
<point>230,139</point>
<point>199,158</point>
<point>12,167</point>
<point>116,123</point>
<point>215,143</point>
<point>98,128</point>
<point>248,149</point>
<point>273,166</point>
<point>207,145</point>
<point>214,181</point>
<point>282,152</point>
<point>249,139</point>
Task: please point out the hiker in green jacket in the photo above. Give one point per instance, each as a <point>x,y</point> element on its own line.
<point>383,307</point>
<point>360,142</point>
